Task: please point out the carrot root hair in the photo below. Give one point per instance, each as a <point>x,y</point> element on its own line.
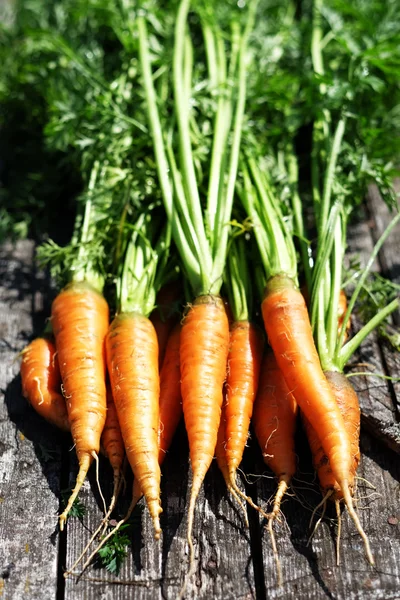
<point>280,492</point>
<point>339,531</point>
<point>196,485</point>
<point>350,507</point>
<point>96,459</point>
<point>126,518</point>
<point>233,489</point>
<point>100,531</point>
<point>275,551</point>
<point>248,499</point>
<point>323,503</point>
<point>84,465</point>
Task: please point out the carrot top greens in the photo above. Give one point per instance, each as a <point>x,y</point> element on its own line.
<point>238,280</point>
<point>144,267</point>
<point>357,100</point>
<point>203,129</point>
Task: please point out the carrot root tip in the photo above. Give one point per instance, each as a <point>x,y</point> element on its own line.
<point>275,551</point>
<point>350,507</point>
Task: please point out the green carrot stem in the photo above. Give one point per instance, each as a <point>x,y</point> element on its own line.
<point>162,163</point>
<point>186,154</point>
<point>348,349</point>
<point>221,128</point>
<point>321,266</point>
<point>329,177</point>
<point>226,207</point>
<point>293,172</point>
<point>335,287</point>
<point>238,280</point>
<point>362,279</point>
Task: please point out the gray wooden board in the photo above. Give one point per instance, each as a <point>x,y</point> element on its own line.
<point>29,448</point>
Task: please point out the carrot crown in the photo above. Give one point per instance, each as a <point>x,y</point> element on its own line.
<point>200,228</point>
<point>272,231</point>
<point>82,259</point>
<point>238,282</point>
<point>144,265</point>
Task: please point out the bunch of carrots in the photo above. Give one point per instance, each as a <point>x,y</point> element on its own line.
<point>176,260</point>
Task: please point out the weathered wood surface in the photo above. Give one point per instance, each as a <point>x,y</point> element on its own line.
<point>231,561</point>
<point>29,448</point>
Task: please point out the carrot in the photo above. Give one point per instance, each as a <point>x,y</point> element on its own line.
<point>289,333</point>
<point>170,393</point>
<point>349,407</point>
<point>80,323</point>
<point>165,315</point>
<point>112,443</point>
<point>41,381</point>
<point>348,404</point>
<point>274,422</point>
<point>220,454</point>
<point>244,362</point>
<point>203,354</point>
<point>170,414</point>
<point>170,404</point>
<point>132,359</point>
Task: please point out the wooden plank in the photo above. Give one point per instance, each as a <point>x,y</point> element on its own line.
<point>157,569</point>
<point>30,451</point>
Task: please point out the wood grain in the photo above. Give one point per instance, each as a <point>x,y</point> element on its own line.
<point>30,453</point>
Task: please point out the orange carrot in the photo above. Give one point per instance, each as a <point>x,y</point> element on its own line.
<point>132,358</point>
<point>274,422</point>
<point>348,404</point>
<point>170,414</point>
<point>170,399</point>
<point>111,440</point>
<point>244,362</point>
<point>165,315</point>
<point>41,382</point>
<point>289,332</point>
<point>170,393</point>
<point>204,353</point>
<point>220,454</point>
<point>80,323</point>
